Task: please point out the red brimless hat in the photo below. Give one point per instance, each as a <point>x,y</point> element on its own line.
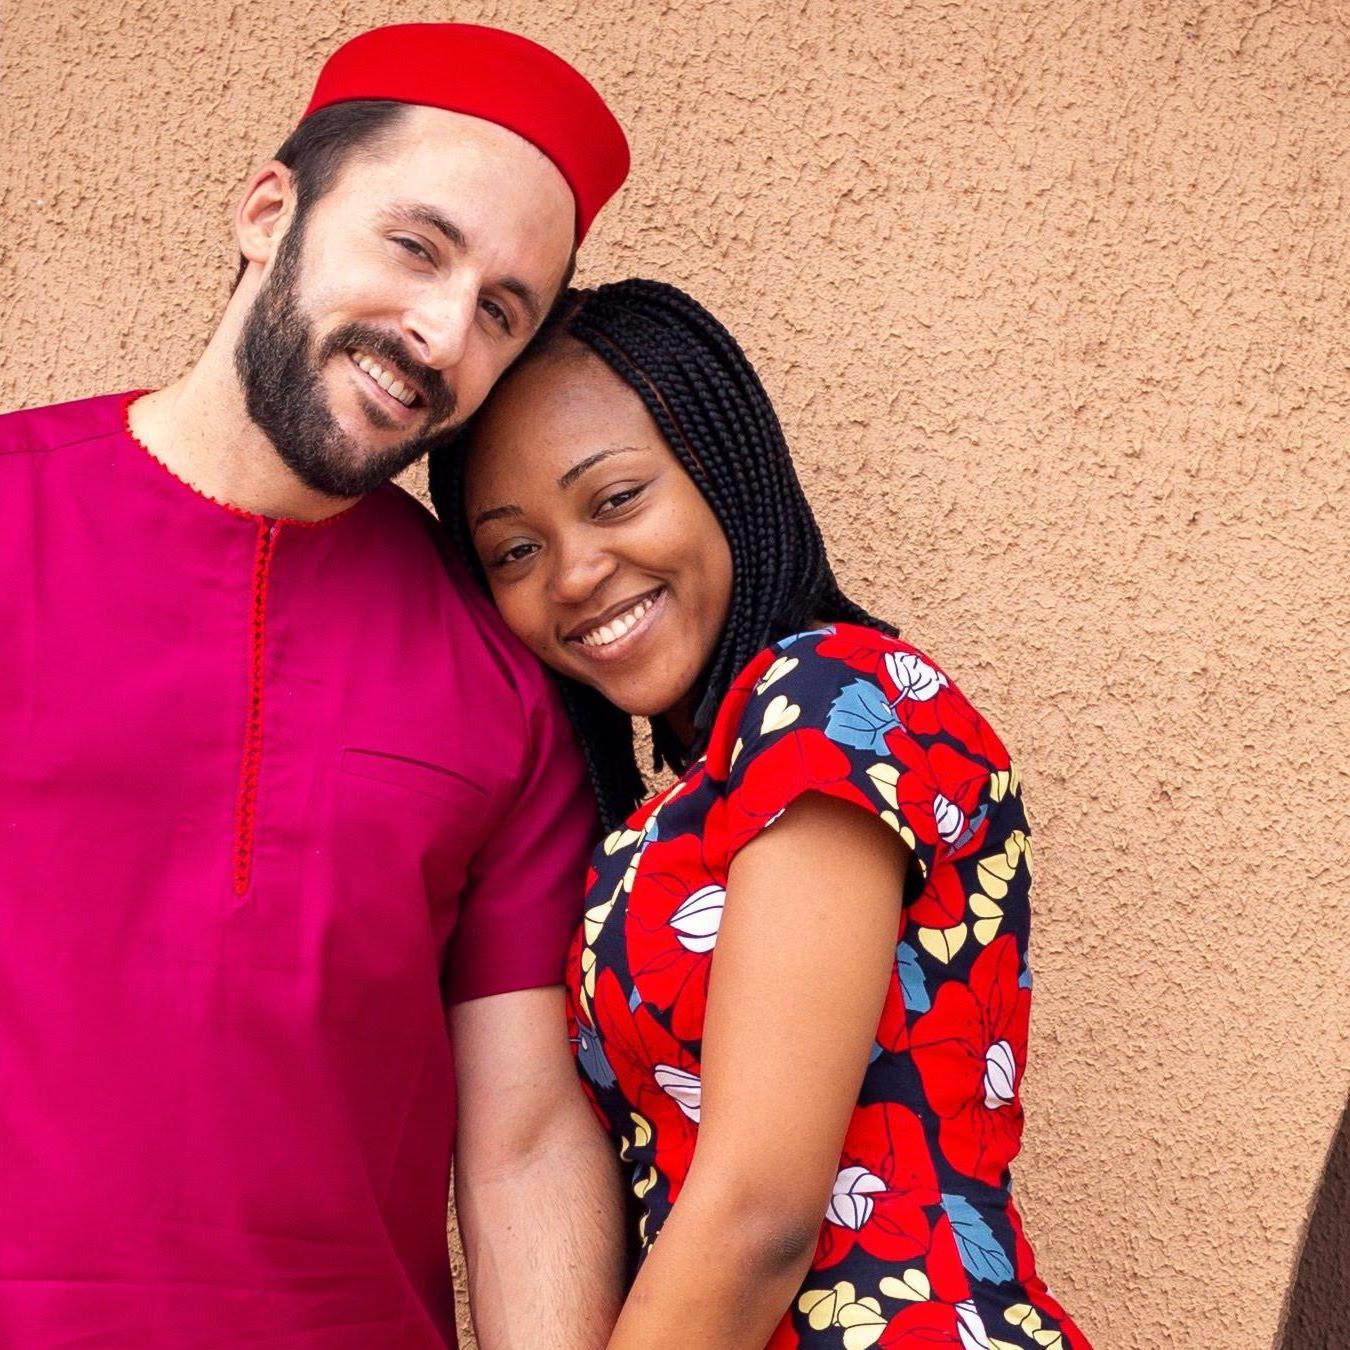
<point>500,77</point>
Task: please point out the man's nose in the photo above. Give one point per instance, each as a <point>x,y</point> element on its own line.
<point>579,569</point>
<point>438,327</point>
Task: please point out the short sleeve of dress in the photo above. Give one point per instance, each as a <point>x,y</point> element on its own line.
<point>524,892</point>
<point>859,716</point>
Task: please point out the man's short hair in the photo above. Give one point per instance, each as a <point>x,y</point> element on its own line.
<point>317,149</point>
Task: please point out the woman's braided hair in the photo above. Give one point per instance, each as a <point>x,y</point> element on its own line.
<point>713,412</point>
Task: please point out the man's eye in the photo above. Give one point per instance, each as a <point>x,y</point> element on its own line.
<point>413,247</point>
<point>498,315</point>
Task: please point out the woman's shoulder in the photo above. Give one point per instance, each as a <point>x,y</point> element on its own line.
<point>859,687</point>
<point>867,718</point>
<point>848,681</point>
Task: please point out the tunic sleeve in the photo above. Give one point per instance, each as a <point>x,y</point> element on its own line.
<point>524,892</point>
<point>863,718</point>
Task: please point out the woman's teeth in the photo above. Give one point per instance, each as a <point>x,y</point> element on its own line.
<point>616,628</point>
<point>387,381</point>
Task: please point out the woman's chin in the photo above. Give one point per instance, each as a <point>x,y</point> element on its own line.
<point>635,700</point>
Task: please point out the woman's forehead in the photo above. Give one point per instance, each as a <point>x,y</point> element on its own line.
<point>553,409</point>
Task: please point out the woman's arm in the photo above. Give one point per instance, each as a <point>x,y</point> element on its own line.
<point>803,961</point>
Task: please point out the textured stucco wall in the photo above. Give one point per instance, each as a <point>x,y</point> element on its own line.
<point>1052,298</point>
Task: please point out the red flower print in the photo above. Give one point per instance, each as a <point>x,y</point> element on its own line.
<point>927,1324</point>
<point>685,786</point>
<point>936,818</point>
<point>942,903</point>
<point>673,919</point>
<point>937,791</point>
<point>727,728</point>
<point>655,1073</point>
<point>921,1325</point>
<point>924,699</point>
<point>785,1336</point>
<point>947,1316</point>
<point>970,1049</point>
<point>944,1269</point>
<point>796,761</point>
<point>885,1182</point>
<point>857,647</point>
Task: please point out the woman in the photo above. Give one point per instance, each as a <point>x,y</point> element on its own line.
<point>846,832</point>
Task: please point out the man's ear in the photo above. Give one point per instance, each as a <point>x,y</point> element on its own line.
<point>265,211</point>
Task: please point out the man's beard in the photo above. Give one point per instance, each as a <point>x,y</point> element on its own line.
<point>280,365</point>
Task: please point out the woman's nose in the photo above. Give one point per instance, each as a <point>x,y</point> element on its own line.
<point>579,573</point>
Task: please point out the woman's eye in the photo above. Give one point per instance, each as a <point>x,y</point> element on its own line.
<point>516,553</point>
<point>417,250</point>
<point>617,500</point>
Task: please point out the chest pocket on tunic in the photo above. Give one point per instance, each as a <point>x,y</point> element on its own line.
<point>405,834</point>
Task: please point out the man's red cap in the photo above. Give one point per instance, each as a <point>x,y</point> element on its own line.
<point>500,77</point>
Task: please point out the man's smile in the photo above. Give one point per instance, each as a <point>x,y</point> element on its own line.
<point>398,389</point>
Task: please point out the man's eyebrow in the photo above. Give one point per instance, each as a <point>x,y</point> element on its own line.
<point>415,213</point>
<point>496,513</point>
<point>418,213</point>
<point>590,461</point>
<point>529,299</point>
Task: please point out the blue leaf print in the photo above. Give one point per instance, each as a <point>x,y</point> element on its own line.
<point>911,979</point>
<point>1024,979</point>
<point>860,717</point>
<point>784,643</point>
<point>981,1254</point>
<point>592,1060</point>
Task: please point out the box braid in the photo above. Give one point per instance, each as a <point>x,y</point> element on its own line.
<point>702,392</point>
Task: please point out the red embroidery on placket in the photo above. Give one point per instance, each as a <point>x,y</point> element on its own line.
<point>246,807</point>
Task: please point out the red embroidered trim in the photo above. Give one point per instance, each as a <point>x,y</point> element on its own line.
<point>239,511</point>
<point>246,807</point>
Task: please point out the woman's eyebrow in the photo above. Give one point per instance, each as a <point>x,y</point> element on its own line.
<point>590,461</point>
<point>566,481</point>
<point>496,513</point>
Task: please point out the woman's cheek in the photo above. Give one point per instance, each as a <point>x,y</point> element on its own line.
<point>519,615</point>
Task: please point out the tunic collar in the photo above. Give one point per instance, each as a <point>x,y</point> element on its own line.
<point>238,511</point>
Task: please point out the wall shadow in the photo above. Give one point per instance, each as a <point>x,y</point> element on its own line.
<point>1317,1306</point>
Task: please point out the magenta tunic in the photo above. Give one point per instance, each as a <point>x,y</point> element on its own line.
<point>271,794</point>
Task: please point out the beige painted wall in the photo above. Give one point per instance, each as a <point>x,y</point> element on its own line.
<point>1052,298</point>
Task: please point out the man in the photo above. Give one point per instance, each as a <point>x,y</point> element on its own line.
<point>276,789</point>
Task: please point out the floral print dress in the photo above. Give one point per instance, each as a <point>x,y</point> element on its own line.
<point>920,1245</point>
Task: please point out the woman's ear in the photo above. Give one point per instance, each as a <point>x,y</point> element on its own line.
<point>265,212</point>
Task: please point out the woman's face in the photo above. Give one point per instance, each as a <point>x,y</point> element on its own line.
<point>601,553</point>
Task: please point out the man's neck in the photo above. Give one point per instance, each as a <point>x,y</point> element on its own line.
<point>198,427</point>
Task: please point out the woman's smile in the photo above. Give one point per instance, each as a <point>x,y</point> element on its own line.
<point>615,634</point>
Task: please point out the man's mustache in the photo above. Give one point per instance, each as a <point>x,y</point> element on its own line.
<point>393,355</point>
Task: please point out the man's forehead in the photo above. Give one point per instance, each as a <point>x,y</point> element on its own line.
<point>438,133</point>
<point>444,149</point>
<point>485,191</point>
